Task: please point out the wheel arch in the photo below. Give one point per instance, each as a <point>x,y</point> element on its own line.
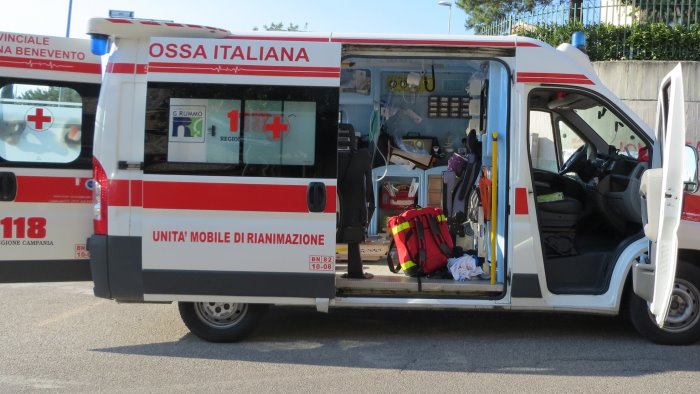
<point>687,256</point>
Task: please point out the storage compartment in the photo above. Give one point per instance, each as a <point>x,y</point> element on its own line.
<point>397,196</point>
<point>434,191</point>
<point>396,187</point>
<point>434,187</point>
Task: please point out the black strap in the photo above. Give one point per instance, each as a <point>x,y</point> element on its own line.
<point>390,260</point>
<point>369,194</point>
<point>421,242</point>
<point>437,235</point>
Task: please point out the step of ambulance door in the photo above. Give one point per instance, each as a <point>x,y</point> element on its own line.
<point>48,97</point>
<point>240,170</point>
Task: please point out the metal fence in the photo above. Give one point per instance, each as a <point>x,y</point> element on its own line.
<point>593,12</point>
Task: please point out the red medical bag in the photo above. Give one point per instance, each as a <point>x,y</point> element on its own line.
<point>422,239</point>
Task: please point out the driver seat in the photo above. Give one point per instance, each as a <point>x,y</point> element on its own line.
<point>558,219</point>
<point>559,200</point>
<point>559,212</point>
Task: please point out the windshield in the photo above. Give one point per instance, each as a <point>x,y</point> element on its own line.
<point>612,129</point>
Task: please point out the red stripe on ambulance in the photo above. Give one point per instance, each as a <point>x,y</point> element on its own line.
<point>51,65</point>
<point>403,41</point>
<point>157,23</point>
<point>124,193</point>
<point>119,193</point>
<point>297,39</point>
<point>536,77</point>
<point>230,197</point>
<point>126,68</point>
<point>235,69</point>
<point>198,196</point>
<point>45,189</point>
<point>691,207</point>
<point>136,195</point>
<point>521,201</point>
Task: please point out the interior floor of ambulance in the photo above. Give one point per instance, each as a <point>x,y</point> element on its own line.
<point>384,282</point>
<point>585,268</point>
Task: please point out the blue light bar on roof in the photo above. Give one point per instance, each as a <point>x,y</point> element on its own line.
<point>99,44</point>
<point>578,39</point>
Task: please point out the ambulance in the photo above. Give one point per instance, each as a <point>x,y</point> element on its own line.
<point>231,171</point>
<point>48,100</point>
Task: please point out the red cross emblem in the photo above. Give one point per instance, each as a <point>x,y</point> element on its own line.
<point>37,120</point>
<point>277,127</point>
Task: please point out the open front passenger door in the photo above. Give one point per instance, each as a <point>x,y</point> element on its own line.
<point>662,196</point>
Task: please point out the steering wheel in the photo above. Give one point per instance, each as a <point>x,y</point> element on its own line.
<point>574,161</point>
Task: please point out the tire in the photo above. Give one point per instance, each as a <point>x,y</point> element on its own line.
<point>221,321</point>
<point>682,326</point>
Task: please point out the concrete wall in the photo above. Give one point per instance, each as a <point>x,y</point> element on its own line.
<point>637,83</point>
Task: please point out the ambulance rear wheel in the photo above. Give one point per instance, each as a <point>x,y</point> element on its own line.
<point>682,326</point>
<point>221,321</point>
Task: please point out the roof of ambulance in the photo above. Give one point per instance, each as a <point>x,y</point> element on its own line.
<point>387,39</point>
<point>143,28</point>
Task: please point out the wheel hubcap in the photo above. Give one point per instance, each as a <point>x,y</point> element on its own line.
<point>684,310</point>
<point>220,314</point>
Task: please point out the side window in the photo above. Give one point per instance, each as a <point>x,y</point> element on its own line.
<point>280,132</point>
<point>46,125</point>
<point>203,130</point>
<point>562,122</point>
<point>241,130</point>
<point>543,149</point>
<point>570,141</point>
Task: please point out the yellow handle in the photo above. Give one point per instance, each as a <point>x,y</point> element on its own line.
<point>494,204</point>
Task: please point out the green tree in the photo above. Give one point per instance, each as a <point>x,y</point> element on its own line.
<point>52,94</point>
<point>280,27</point>
<point>481,14</point>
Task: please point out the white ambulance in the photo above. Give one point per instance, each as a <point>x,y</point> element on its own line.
<point>48,99</point>
<point>230,168</point>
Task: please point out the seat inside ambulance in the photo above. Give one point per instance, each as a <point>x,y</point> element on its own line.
<point>586,170</point>
<point>355,196</point>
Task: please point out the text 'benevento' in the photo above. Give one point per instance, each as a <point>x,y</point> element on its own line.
<point>229,52</point>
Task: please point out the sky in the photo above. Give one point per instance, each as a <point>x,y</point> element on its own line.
<point>50,17</point>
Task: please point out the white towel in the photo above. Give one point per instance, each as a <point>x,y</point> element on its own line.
<point>464,268</point>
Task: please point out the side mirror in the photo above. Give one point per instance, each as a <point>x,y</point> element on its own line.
<point>690,169</point>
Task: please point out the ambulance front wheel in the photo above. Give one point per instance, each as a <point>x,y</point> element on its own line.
<point>221,321</point>
<point>682,326</point>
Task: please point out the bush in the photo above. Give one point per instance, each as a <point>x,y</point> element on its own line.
<point>648,41</point>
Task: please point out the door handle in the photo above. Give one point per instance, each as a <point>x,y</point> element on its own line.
<point>8,186</point>
<point>316,197</point>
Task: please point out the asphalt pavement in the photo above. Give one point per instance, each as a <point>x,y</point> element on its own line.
<point>60,338</point>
